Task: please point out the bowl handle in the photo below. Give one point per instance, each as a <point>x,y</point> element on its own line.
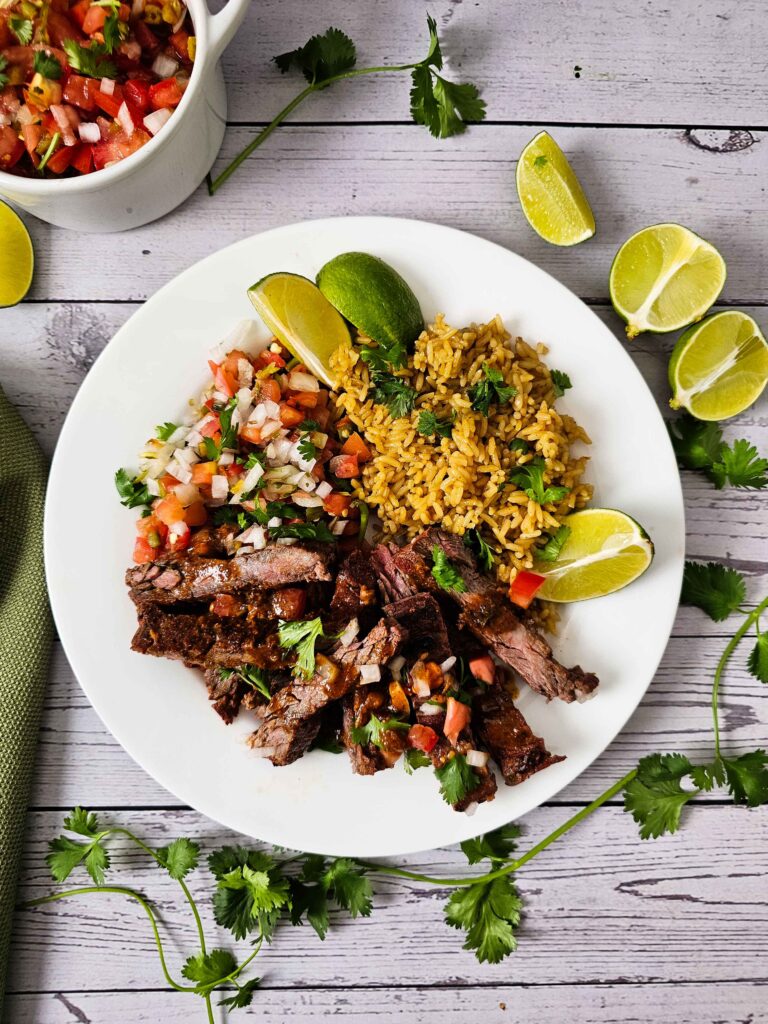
<point>222,26</point>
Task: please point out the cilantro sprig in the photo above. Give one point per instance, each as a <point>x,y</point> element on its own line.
<point>3,66</point>
<point>92,60</point>
<point>700,445</point>
<point>133,491</point>
<point>47,65</point>
<point>301,637</point>
<point>394,392</point>
<point>430,425</point>
<point>530,479</point>
<point>372,733</point>
<point>556,541</point>
<point>445,573</point>
<point>443,107</point>
<point>483,551</point>
<point>490,389</point>
<point>22,28</point>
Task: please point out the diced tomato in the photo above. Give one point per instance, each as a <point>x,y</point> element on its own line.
<point>11,147</point>
<point>251,433</point>
<point>524,588</point>
<point>32,134</point>
<point>337,504</point>
<point>211,427</point>
<point>169,482</point>
<point>321,416</point>
<point>143,552</point>
<point>483,668</point>
<point>61,159</point>
<point>180,43</point>
<point>79,11</point>
<point>231,362</point>
<point>289,603</point>
<point>82,160</point>
<point>232,471</point>
<point>355,445</point>
<point>179,537</point>
<point>421,737</point>
<point>136,94</point>
<point>169,510</point>
<point>226,605</point>
<point>270,390</point>
<point>60,28</point>
<point>266,357</point>
<point>118,147</point>
<point>109,104</point>
<point>94,20</point>
<point>166,93</point>
<point>344,466</point>
<point>81,92</point>
<point>290,417</point>
<point>196,514</point>
<point>456,718</point>
<point>318,472</point>
<point>203,473</point>
<point>152,530</point>
<point>222,380</point>
<point>306,399</point>
<point>145,37</point>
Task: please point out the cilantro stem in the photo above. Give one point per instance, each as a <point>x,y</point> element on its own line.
<point>215,184</point>
<point>131,894</point>
<point>733,643</point>
<point>514,865</point>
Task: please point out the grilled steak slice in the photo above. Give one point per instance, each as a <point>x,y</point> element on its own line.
<point>293,716</point>
<point>226,693</point>
<point>392,583</point>
<point>486,612</point>
<point>358,707</point>
<point>486,780</point>
<point>355,594</point>
<point>185,636</point>
<point>377,648</point>
<point>420,615</point>
<point>509,739</point>
<point>190,578</point>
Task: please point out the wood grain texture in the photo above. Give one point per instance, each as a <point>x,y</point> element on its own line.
<point>651,63</point>
<point>632,177</point>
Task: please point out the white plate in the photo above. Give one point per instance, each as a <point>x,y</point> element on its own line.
<point>158,710</point>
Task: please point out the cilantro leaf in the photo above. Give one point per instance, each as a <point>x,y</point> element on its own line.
<point>165,430</point>
<point>443,106</point>
<point>3,66</point>
<point>132,491</point>
<point>22,28</point>
<point>179,857</point>
<point>302,635</point>
<point>445,574</point>
<point>530,478</point>
<point>747,778</point>
<point>757,663</point>
<point>655,797</point>
<point>304,531</point>
<point>456,779</point>
<point>700,445</point>
<point>84,823</point>
<point>208,970</point>
<point>483,551</point>
<point>384,357</point>
<point>430,425</point>
<point>489,913</point>
<point>740,466</point>
<point>64,855</point>
<point>89,60</point>
<point>310,901</point>
<point>561,382</point>
<point>244,995</point>
<point>371,733</point>
<point>394,392</point>
<point>550,552</point>
<point>496,846</point>
<point>251,891</point>
<point>490,389</point>
<point>518,444</point>
<point>321,57</point>
<point>342,880</point>
<point>349,886</point>
<point>256,678</point>
<point>696,444</point>
<point>714,588</point>
<point>114,31</point>
<point>414,759</point>
<point>306,449</point>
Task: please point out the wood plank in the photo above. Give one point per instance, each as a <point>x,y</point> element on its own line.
<point>647,63</point>
<point>692,1003</point>
<point>602,906</point>
<point>633,178</point>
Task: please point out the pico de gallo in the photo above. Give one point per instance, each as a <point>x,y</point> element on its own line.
<point>258,459</point>
<point>86,83</point>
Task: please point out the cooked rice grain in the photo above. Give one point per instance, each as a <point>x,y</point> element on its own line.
<point>460,481</point>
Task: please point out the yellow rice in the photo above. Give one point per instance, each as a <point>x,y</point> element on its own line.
<point>460,481</point>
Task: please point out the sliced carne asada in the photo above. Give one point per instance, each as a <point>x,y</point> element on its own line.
<point>486,613</point>
<point>367,758</point>
<point>377,648</point>
<point>226,691</point>
<point>392,583</point>
<point>197,578</point>
<point>355,594</point>
<point>293,716</point>
<point>486,781</point>
<point>421,616</point>
<point>506,735</point>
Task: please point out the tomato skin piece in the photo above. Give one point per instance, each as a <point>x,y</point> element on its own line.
<point>136,93</point>
<point>483,668</point>
<point>60,160</point>
<point>178,541</point>
<point>109,104</point>
<point>169,510</point>
<point>180,43</point>
<point>82,161</point>
<point>222,380</point>
<point>211,427</point>
<point>355,445</point>
<point>251,433</point>
<point>143,552</point>
<point>60,28</point>
<point>337,504</point>
<point>270,390</point>
<point>166,93</point>
<point>81,92</point>
<point>148,525</point>
<point>345,467</point>
<point>306,399</point>
<point>203,473</point>
<point>289,416</point>
<point>79,11</point>
<point>422,737</point>
<point>456,718</point>
<point>524,588</point>
<point>266,358</point>
<point>94,20</point>
<point>11,148</point>
<point>196,514</point>
<point>32,134</point>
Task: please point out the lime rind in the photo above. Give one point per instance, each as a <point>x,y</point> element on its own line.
<point>17,258</point>
<point>550,194</point>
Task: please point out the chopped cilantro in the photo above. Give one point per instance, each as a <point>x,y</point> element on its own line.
<point>429,425</point>
<point>133,492</point>
<point>561,382</point>
<point>483,552</point>
<point>304,531</point>
<point>3,66</point>
<point>414,759</point>
<point>22,28</point>
<point>550,552</point>
<point>89,60</point>
<point>457,779</point>
<point>306,449</point>
<point>302,637</point>
<point>394,392</point>
<point>256,678</point>
<point>518,444</point>
<point>371,733</point>
<point>530,478</point>
<point>444,572</point>
<point>491,389</point>
<point>384,357</point>
<point>165,430</point>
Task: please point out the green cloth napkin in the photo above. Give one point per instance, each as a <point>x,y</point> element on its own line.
<point>26,631</point>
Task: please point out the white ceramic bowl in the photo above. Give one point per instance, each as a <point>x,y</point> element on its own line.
<point>160,176</point>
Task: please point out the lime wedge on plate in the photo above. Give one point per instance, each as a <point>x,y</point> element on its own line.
<point>17,260</point>
<point>606,550</point>
<point>719,367</point>
<point>550,194</point>
<point>297,313</point>
<point>664,278</point>
<point>373,297</point>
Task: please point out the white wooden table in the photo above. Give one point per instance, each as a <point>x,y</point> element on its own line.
<point>661,107</point>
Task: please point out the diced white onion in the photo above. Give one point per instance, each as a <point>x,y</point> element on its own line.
<point>470,809</point>
<point>271,409</point>
<point>430,709</point>
<point>226,458</point>
<point>220,397</point>
<point>219,487</point>
<point>448,664</point>
<point>287,541</point>
<point>177,529</point>
<point>194,437</point>
<point>421,688</point>
<point>370,674</point>
<point>165,66</point>
<point>396,664</point>
<point>279,450</point>
<point>264,751</point>
<point>269,428</point>
<point>349,633</point>
<point>323,489</point>
<point>255,536</point>
<point>155,120</point>
<point>304,500</point>
<point>89,131</point>
<point>180,434</point>
<point>180,470</point>
<point>187,494</point>
<point>186,455</point>
<point>245,374</point>
<point>153,486</point>
<point>338,527</point>
<point>107,86</point>
<point>304,481</point>
<point>258,415</point>
<point>300,381</point>
<point>252,477</point>
<point>125,119</point>
<point>275,521</point>
<point>477,758</point>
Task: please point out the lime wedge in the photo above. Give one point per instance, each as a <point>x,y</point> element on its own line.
<point>17,260</point>
<point>606,550</point>
<point>297,313</point>
<point>719,367</point>
<point>373,297</point>
<point>550,194</point>
<point>664,278</point>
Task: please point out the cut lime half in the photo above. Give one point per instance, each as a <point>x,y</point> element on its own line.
<point>664,278</point>
<point>297,313</point>
<point>17,260</point>
<point>551,195</point>
<point>719,367</point>
<point>605,551</point>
